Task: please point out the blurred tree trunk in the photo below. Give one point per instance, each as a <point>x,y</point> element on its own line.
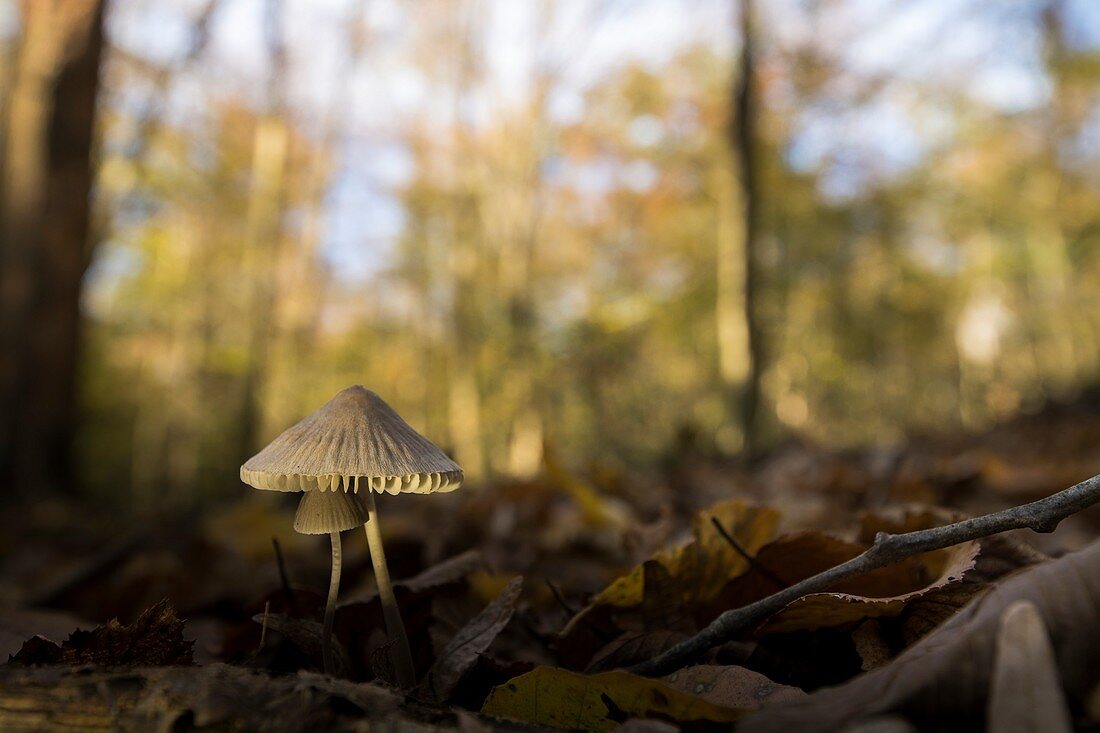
<point>1062,348</point>
<point>465,264</point>
<point>45,180</point>
<point>730,322</point>
<point>742,140</point>
<point>270,150</point>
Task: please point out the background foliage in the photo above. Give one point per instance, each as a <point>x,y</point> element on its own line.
<point>514,222</point>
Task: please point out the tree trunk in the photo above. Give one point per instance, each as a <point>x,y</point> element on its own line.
<point>45,180</point>
<point>270,155</point>
<point>742,139</point>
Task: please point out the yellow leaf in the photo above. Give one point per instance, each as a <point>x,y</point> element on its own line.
<point>702,567</point>
<point>563,699</point>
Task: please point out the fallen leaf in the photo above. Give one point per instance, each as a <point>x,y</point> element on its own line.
<point>472,640</point>
<point>731,686</point>
<point>308,636</point>
<point>702,567</point>
<point>633,647</point>
<point>682,579</point>
<point>662,608</point>
<point>563,699</point>
<point>946,675</point>
<point>451,570</point>
<point>357,621</point>
<point>865,596</point>
<point>872,649</point>
<point>999,555</point>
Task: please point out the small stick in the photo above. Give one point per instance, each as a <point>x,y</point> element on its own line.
<point>759,566</point>
<point>559,598</point>
<point>263,628</point>
<point>1039,516</point>
<point>284,579</point>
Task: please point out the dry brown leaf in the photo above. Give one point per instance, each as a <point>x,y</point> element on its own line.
<point>872,649</point>
<point>662,608</point>
<point>882,592</point>
<point>865,596</point>
<point>451,570</point>
<point>683,578</point>
<point>731,686</point>
<point>999,556</point>
<point>308,636</point>
<point>702,567</point>
<point>946,675</point>
<point>664,623</point>
<point>472,640</point>
<point>633,647</point>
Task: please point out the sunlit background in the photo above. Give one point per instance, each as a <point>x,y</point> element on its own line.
<point>521,222</point>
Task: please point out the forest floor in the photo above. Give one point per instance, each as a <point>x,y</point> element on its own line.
<point>614,568</point>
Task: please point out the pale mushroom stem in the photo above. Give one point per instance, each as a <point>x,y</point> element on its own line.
<point>402,656</point>
<point>330,607</point>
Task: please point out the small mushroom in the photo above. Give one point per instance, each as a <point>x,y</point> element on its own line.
<point>329,512</point>
<point>354,442</point>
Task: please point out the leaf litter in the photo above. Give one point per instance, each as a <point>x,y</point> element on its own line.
<point>610,585</point>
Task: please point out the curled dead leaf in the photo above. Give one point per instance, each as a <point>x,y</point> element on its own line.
<point>868,595</point>
<point>946,675</point>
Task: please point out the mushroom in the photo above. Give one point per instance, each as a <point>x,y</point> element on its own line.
<point>354,441</point>
<point>329,512</point>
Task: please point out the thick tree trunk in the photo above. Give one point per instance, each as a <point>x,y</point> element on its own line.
<point>45,180</point>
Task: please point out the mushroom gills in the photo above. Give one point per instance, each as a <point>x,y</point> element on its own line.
<point>321,512</point>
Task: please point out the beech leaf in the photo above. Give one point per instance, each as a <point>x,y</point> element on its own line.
<point>473,639</point>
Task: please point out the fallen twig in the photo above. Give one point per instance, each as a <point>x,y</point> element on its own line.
<point>748,556</point>
<point>284,579</point>
<point>1043,515</point>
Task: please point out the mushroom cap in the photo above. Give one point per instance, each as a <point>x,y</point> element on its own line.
<point>354,440</point>
<point>321,512</point>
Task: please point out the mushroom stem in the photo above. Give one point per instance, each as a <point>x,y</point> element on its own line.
<point>402,657</point>
<point>330,607</point>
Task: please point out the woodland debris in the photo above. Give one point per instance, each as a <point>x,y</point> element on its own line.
<point>155,638</point>
<point>947,675</point>
<point>217,696</point>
